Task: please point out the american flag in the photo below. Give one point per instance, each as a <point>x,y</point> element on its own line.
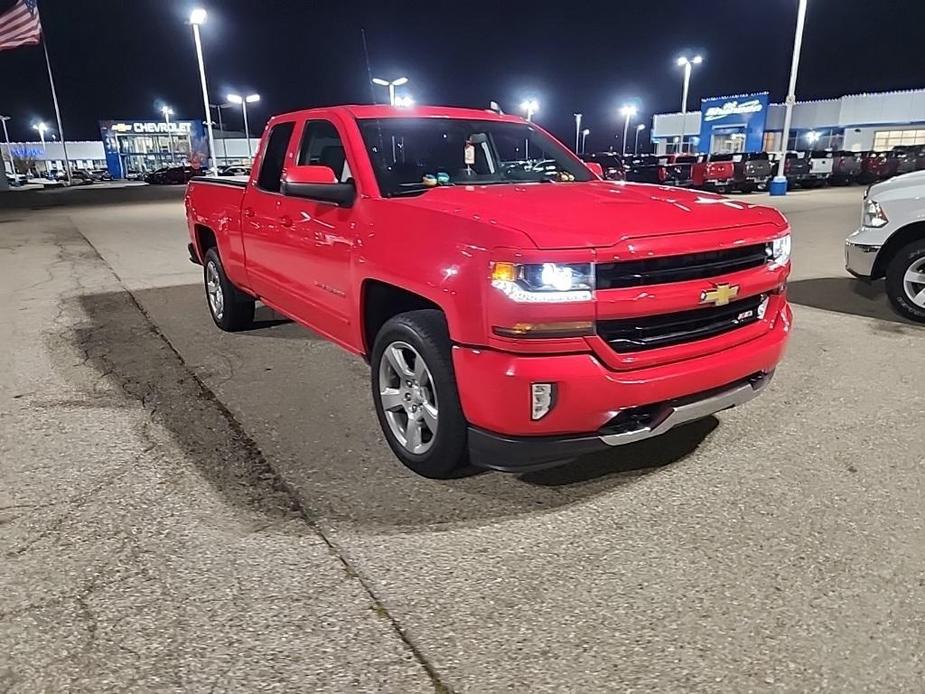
<point>20,25</point>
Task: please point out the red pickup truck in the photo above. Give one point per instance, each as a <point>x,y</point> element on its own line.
<point>516,310</point>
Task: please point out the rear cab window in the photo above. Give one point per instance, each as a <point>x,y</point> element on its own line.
<point>269,178</point>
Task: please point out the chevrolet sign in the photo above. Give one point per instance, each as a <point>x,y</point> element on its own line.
<point>720,295</point>
<point>731,108</point>
<point>152,128</point>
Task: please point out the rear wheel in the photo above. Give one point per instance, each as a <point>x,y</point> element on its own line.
<point>905,281</point>
<point>230,308</point>
<point>415,395</point>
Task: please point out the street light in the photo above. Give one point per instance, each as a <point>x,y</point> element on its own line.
<point>639,129</point>
<point>244,101</point>
<point>196,19</point>
<point>168,112</point>
<point>584,137</point>
<point>530,106</point>
<point>778,184</point>
<point>405,101</point>
<point>577,131</point>
<point>42,129</point>
<point>629,111</point>
<point>688,65</point>
<point>391,86</point>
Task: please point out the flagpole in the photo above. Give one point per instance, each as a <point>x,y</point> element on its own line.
<point>54,96</point>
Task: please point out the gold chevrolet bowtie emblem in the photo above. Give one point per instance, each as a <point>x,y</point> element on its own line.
<point>720,295</point>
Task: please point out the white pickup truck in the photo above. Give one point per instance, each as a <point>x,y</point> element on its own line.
<point>890,242</point>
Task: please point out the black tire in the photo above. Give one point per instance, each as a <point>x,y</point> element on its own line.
<point>237,308</point>
<point>426,332</point>
<point>907,256</point>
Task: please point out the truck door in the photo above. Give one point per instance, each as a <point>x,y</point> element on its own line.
<point>264,245</point>
<point>319,238</point>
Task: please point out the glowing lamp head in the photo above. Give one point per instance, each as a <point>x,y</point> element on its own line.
<point>198,16</point>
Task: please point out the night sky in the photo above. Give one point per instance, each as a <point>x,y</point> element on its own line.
<point>122,58</point>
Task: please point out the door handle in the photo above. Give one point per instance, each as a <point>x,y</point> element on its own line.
<point>248,211</point>
<point>285,220</point>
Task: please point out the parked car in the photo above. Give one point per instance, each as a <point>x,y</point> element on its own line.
<point>756,169</point>
<point>611,164</point>
<point>890,242</point>
<point>846,166</point>
<point>678,168</point>
<point>821,165</point>
<point>796,167</point>
<point>16,179</point>
<point>876,166</point>
<point>645,168</point>
<point>235,170</point>
<point>172,175</point>
<point>907,159</point>
<point>79,177</point>
<point>101,175</point>
<point>514,338</point>
<point>716,172</point>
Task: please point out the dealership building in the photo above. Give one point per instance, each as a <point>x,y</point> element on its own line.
<point>749,123</point>
<point>128,146</point>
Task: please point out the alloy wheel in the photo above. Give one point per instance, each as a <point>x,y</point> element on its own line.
<point>409,397</point>
<point>914,282</point>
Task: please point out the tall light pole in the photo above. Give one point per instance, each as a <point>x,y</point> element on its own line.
<point>391,86</point>
<point>197,18</point>
<point>530,107</point>
<point>221,127</point>
<point>629,111</point>
<point>9,153</point>
<point>577,132</point>
<point>42,129</point>
<point>584,138</point>
<point>778,185</point>
<point>688,65</point>
<point>168,112</point>
<point>244,101</point>
<point>639,129</point>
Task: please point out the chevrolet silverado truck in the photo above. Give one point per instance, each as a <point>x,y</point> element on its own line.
<point>516,310</point>
<point>890,243</point>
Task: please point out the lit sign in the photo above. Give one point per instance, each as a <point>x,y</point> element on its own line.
<point>152,128</point>
<point>732,108</point>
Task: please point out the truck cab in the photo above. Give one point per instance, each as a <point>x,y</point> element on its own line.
<point>516,310</point>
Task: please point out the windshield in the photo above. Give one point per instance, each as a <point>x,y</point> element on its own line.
<point>413,155</point>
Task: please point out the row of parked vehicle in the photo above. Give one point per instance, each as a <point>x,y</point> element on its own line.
<point>750,171</point>
<point>171,175</point>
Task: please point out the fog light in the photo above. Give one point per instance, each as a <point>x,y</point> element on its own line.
<point>543,399</point>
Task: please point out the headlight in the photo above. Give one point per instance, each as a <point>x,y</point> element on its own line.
<point>544,282</point>
<point>779,250</point>
<point>874,215</point>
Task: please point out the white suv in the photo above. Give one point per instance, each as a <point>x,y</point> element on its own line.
<point>891,242</point>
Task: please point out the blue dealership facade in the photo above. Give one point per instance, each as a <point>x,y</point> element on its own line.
<point>750,123</point>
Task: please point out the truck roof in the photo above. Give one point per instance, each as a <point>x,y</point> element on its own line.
<point>385,111</point>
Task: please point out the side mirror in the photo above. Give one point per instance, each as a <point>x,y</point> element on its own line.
<point>315,182</point>
<point>596,168</point>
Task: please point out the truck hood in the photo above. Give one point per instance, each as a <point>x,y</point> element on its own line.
<point>910,184</point>
<point>592,215</point>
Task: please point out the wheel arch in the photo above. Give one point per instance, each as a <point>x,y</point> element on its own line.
<point>897,241</point>
<point>380,301</point>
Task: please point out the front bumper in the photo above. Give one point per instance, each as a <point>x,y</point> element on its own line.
<point>524,453</point>
<point>591,398</point>
<point>860,259</point>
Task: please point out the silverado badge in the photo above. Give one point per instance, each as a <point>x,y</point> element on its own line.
<point>720,295</point>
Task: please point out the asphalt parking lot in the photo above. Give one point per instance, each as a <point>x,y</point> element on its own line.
<point>188,508</point>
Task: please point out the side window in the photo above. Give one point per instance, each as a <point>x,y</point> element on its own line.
<point>274,158</point>
<point>322,146</point>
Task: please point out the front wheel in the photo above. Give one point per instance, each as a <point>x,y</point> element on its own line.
<point>905,281</point>
<point>415,395</point>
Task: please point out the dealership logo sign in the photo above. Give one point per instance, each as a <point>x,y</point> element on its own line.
<point>732,108</point>
<point>152,128</point>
